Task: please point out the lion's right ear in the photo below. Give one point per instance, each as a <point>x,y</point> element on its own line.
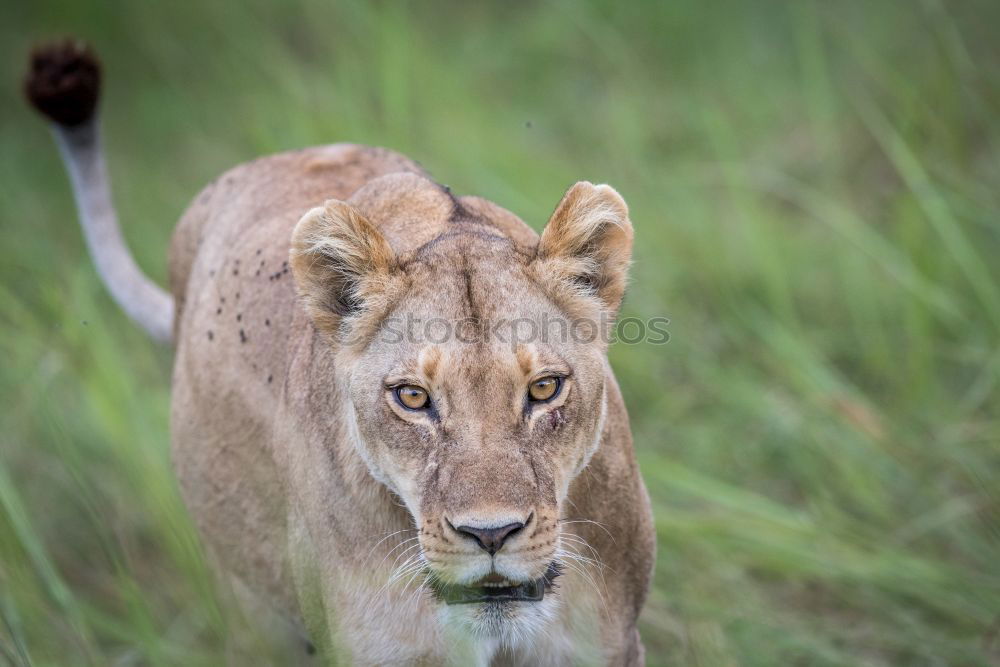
<point>342,264</point>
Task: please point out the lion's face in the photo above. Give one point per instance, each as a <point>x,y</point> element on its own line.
<point>479,434</point>
<point>475,371</point>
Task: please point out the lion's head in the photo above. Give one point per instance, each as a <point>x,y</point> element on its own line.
<point>475,366</point>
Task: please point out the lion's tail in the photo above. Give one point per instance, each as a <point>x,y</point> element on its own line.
<point>63,84</point>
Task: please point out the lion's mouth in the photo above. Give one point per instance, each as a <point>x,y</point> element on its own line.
<point>495,588</point>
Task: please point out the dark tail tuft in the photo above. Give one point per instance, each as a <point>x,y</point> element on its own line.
<point>64,82</point>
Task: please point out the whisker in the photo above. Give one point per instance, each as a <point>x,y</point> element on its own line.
<point>577,540</point>
<point>389,553</point>
<point>596,560</point>
<point>398,572</point>
<point>370,551</point>
<point>571,562</point>
<point>600,525</point>
<point>395,574</point>
<point>400,555</point>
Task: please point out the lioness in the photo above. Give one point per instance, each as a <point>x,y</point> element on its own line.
<point>466,495</point>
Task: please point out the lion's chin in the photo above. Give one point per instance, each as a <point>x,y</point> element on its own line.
<point>496,624</point>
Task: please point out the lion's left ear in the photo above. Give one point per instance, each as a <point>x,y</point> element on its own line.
<point>587,243</point>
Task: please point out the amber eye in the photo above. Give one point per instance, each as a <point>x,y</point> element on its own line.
<point>544,389</point>
<point>412,397</point>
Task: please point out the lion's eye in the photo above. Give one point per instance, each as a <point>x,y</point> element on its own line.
<point>412,397</point>
<point>544,389</point>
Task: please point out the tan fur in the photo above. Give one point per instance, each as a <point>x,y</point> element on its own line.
<point>320,493</point>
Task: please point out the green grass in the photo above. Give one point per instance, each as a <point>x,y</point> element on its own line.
<point>816,194</point>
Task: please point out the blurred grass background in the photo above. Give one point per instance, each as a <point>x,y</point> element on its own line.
<point>814,188</point>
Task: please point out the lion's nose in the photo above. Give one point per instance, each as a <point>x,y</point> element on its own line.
<point>491,539</point>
